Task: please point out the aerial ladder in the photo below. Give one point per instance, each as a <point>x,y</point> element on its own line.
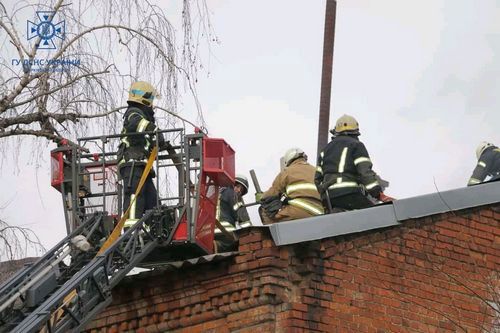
<point>72,282</point>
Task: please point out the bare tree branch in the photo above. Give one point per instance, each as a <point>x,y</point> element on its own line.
<point>14,41</point>
<point>177,116</point>
<point>37,133</point>
<point>16,241</point>
<point>61,86</point>
<point>133,40</point>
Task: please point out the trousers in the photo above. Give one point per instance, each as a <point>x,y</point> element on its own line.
<point>147,197</point>
<point>351,201</point>
<point>286,213</point>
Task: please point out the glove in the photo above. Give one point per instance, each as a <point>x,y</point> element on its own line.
<point>272,205</point>
<point>385,198</point>
<point>163,144</point>
<point>321,188</point>
<point>258,196</point>
<point>375,192</point>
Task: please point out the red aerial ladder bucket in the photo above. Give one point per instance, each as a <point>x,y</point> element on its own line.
<point>217,170</point>
<point>203,164</point>
<point>57,167</point>
<point>58,158</point>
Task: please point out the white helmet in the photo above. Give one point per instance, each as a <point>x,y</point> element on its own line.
<point>243,181</point>
<point>292,154</point>
<point>482,147</point>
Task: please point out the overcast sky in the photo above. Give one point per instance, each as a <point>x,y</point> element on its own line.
<point>421,77</point>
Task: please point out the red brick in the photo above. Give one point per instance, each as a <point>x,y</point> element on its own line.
<point>267,252</point>
<point>397,280</point>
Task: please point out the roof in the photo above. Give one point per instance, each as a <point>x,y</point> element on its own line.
<point>385,215</point>
<point>9,268</point>
<point>159,267</point>
<point>331,225</point>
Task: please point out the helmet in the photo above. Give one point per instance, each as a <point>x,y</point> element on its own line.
<point>482,147</point>
<point>143,93</point>
<point>243,181</point>
<point>292,154</point>
<point>347,125</point>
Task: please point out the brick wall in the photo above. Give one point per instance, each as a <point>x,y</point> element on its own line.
<point>435,274</point>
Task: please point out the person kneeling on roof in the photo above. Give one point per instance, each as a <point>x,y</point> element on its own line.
<point>293,194</point>
<point>231,214</point>
<point>344,174</point>
<point>488,163</point>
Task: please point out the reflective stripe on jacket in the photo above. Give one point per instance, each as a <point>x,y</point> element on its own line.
<point>310,207</point>
<point>230,210</point>
<point>344,165</point>
<point>297,182</point>
<point>137,119</point>
<point>228,226</point>
<point>487,165</point>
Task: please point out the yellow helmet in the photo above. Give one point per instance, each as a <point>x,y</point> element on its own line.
<point>143,93</point>
<point>346,124</point>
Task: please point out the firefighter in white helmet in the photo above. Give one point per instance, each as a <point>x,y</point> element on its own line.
<point>344,170</point>
<point>488,163</point>
<point>134,150</point>
<point>231,214</point>
<point>293,194</point>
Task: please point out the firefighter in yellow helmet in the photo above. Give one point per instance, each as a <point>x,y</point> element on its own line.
<point>344,171</point>
<point>488,163</point>
<point>293,194</point>
<point>134,149</point>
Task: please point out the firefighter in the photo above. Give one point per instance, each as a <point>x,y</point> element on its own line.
<point>344,172</point>
<point>293,194</point>
<point>134,150</point>
<point>231,214</point>
<point>488,163</point>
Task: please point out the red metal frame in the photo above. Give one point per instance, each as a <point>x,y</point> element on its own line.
<point>218,170</point>
<point>218,161</point>
<point>57,157</point>
<point>205,222</point>
<point>57,169</point>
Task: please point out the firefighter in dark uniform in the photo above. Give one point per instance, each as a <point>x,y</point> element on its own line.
<point>488,163</point>
<point>231,214</point>
<point>134,150</point>
<point>344,172</point>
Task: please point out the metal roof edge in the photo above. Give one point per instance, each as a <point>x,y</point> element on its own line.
<point>331,225</point>
<point>446,201</point>
<point>158,268</point>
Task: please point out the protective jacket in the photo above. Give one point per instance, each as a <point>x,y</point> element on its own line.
<point>487,165</point>
<point>230,212</point>
<point>344,167</point>
<point>296,182</point>
<point>136,147</point>
<point>133,152</point>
